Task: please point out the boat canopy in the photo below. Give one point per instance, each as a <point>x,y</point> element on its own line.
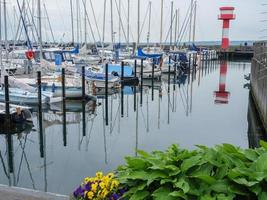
<point>142,54</point>
<point>128,70</point>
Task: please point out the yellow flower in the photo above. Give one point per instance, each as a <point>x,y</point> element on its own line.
<point>94,187</point>
<point>102,185</point>
<point>114,184</point>
<point>86,180</point>
<point>110,175</point>
<point>99,175</point>
<point>90,195</point>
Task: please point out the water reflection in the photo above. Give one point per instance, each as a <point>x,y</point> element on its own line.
<point>79,141</point>
<point>222,96</point>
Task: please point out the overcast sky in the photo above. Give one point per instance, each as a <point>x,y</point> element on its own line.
<point>247,25</point>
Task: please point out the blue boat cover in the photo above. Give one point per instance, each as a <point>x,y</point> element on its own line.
<point>142,54</point>
<point>128,70</point>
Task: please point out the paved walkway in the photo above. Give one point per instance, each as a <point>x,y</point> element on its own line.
<point>13,193</point>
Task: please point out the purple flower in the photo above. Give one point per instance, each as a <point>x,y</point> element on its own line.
<point>87,187</point>
<point>79,192</point>
<point>114,197</point>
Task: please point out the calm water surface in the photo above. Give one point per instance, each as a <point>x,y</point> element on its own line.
<point>190,114</point>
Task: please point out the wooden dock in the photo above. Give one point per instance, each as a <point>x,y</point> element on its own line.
<point>259,79</point>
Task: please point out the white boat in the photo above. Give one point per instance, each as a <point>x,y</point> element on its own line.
<point>23,97</point>
<point>147,68</point>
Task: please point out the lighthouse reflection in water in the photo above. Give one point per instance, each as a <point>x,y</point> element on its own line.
<point>222,95</point>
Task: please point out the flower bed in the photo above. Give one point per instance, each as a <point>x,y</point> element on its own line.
<point>224,172</point>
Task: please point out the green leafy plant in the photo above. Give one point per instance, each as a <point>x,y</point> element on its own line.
<point>224,172</point>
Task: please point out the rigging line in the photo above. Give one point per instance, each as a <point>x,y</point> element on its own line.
<point>28,12</point>
<point>183,25</point>
<point>142,27</point>
<point>90,25</point>
<point>49,24</point>
<point>24,25</point>
<point>98,32</point>
<point>126,17</point>
<point>9,20</point>
<point>184,31</point>
<point>124,34</point>
<point>169,31</point>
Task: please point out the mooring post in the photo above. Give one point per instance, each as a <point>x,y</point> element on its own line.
<point>7,101</point>
<point>189,61</point>
<point>122,87</point>
<point>9,136</point>
<point>135,68</point>
<point>175,70</point>
<point>169,74</point>
<point>106,93</point>
<point>40,115</point>
<point>64,107</point>
<point>141,89</point>
<point>153,77</point>
<point>122,71</point>
<point>83,83</point>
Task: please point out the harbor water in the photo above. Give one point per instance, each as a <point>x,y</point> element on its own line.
<point>208,106</point>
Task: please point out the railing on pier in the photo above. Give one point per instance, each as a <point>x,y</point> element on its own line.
<point>259,79</point>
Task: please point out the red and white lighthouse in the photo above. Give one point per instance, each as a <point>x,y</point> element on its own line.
<point>222,96</point>
<point>227,14</point>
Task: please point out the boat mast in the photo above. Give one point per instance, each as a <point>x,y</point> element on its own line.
<point>149,24</point>
<point>40,29</point>
<point>72,25</point>
<point>104,26</point>
<point>5,27</point>
<point>190,21</point>
<point>161,22</point>
<point>1,38</point>
<point>119,21</point>
<point>77,20</point>
<point>171,25</point>
<point>194,24</point>
<point>175,28</point>
<point>85,27</point>
<point>111,17</point>
<point>128,25</point>
<point>138,23</point>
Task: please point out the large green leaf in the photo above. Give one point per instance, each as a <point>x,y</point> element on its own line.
<point>139,195</point>
<point>163,193</point>
<point>190,162</point>
<point>179,194</point>
<point>136,163</point>
<point>263,144</point>
<point>261,163</point>
<point>183,185</point>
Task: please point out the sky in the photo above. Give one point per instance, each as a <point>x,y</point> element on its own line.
<point>246,26</point>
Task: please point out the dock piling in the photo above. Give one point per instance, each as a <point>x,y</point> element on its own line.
<point>64,107</point>
<point>40,115</point>
<point>106,93</point>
